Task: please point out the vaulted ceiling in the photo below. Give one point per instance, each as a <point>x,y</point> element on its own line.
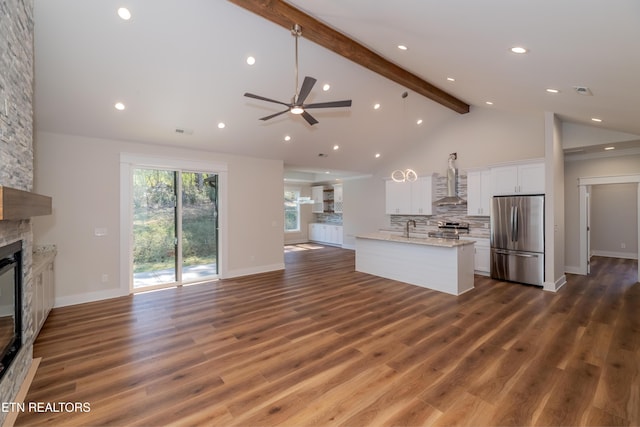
<point>180,69</point>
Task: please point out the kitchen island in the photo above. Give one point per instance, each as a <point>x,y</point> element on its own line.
<point>445,265</point>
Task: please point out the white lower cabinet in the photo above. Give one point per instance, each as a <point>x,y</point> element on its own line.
<point>325,233</point>
<point>482,263</point>
<point>43,284</point>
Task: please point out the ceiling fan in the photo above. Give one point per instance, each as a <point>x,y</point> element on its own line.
<point>297,105</point>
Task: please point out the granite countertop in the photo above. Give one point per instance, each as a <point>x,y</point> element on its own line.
<point>416,240</point>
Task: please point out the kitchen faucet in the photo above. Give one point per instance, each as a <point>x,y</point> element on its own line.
<point>411,221</point>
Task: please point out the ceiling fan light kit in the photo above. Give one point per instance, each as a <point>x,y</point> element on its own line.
<point>297,105</point>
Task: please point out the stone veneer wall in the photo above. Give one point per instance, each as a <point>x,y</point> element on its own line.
<point>16,160</point>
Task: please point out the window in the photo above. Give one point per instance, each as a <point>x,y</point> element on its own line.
<point>291,210</point>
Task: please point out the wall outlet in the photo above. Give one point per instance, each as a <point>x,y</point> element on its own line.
<point>105,278</point>
<point>623,245</point>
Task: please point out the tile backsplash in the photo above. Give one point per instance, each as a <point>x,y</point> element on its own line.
<point>478,225</point>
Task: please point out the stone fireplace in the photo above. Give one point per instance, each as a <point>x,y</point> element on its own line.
<point>16,159</point>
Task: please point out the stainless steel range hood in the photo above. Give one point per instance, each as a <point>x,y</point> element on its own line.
<point>452,198</point>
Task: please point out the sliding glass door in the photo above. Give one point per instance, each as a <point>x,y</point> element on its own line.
<point>199,226</point>
<point>175,239</point>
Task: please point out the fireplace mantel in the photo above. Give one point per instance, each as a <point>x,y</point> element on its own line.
<point>18,204</point>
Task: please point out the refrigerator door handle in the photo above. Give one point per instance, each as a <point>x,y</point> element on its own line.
<point>516,225</point>
<point>498,251</point>
<point>512,223</point>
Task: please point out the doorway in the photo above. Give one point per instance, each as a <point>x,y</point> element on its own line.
<point>170,222</point>
<point>585,188</point>
<point>175,239</point>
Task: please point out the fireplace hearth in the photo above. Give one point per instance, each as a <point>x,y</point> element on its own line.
<point>10,304</point>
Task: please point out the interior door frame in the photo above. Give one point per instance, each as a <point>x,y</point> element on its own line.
<point>584,184</point>
<point>129,161</point>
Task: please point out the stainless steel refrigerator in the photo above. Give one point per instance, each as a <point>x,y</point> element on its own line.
<point>517,239</point>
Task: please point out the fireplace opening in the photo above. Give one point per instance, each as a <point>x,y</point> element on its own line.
<point>10,304</point>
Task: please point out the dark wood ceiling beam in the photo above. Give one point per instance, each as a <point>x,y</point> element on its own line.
<point>284,14</point>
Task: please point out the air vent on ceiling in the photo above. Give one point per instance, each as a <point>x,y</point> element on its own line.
<point>184,131</point>
<point>583,90</point>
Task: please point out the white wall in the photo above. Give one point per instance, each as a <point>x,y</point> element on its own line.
<point>83,177</point>
<point>614,220</point>
<point>482,137</point>
<point>554,204</point>
<point>583,167</point>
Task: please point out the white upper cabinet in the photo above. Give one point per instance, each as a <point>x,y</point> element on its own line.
<point>397,197</point>
<point>525,178</point>
<point>317,195</point>
<point>479,193</point>
<point>422,196</point>
<point>337,198</point>
<point>410,198</point>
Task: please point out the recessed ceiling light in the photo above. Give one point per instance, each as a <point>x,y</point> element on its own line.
<point>377,155</point>
<point>609,148</point>
<point>124,13</point>
<point>221,125</point>
<point>251,60</point>
<point>402,47</point>
<point>595,119</point>
<point>326,87</point>
<point>119,106</point>
<point>287,138</point>
<point>336,147</point>
<point>376,106</point>
<point>551,90</point>
<point>518,49</point>
<point>327,172</point>
<point>419,122</point>
<point>489,103</point>
<point>451,79</point>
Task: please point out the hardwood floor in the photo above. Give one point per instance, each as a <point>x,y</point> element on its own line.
<point>321,344</point>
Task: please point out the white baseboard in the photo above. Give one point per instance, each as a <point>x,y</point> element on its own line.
<point>612,254</point>
<point>555,286</point>
<point>572,269</point>
<point>89,297</point>
<point>253,270</point>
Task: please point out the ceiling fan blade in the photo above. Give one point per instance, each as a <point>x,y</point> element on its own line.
<point>331,104</point>
<point>262,98</point>
<point>307,85</point>
<point>274,115</point>
<point>309,118</point>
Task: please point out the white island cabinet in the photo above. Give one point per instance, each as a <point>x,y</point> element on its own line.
<point>439,264</point>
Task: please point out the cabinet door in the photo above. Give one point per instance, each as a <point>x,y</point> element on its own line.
<point>487,192</point>
<point>337,198</point>
<point>479,193</point>
<point>422,196</point>
<point>317,194</point>
<point>340,238</point>
<point>531,178</point>
<point>482,261</point>
<point>474,193</point>
<point>397,197</point>
<point>313,232</point>
<point>505,179</point>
